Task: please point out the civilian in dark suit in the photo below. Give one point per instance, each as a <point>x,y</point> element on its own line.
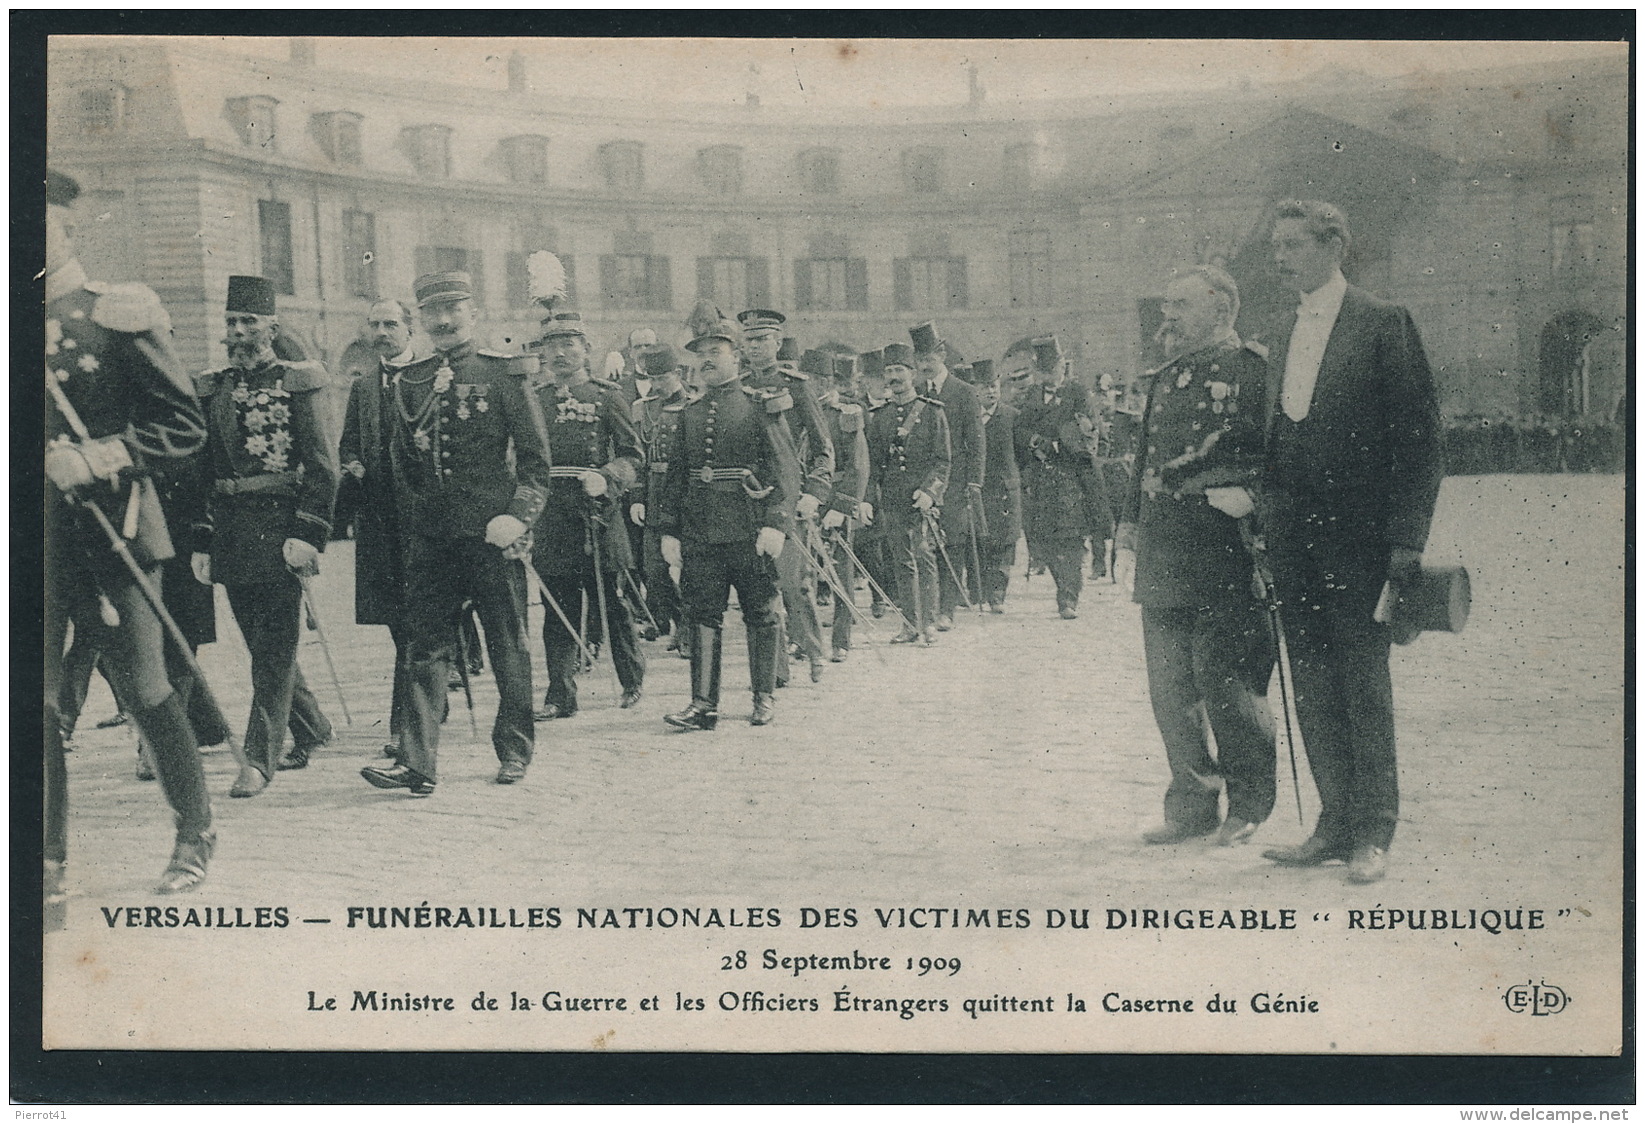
<point>1180,552</point>
<point>969,448</point>
<point>1001,487</point>
<point>1354,471</point>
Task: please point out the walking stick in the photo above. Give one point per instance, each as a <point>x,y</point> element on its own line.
<point>462,674</point>
<point>306,581</point>
<point>1276,630</point>
<point>594,526</point>
<point>150,594</point>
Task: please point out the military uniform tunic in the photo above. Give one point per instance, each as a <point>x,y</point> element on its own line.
<point>657,420</point>
<point>466,443</point>
<point>847,428</point>
<point>1205,635</point>
<point>1064,498</point>
<point>589,427</point>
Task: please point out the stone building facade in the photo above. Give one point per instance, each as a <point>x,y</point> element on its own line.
<point>1494,203</point>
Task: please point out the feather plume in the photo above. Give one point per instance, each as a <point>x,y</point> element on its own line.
<point>547,279</point>
<point>704,318</point>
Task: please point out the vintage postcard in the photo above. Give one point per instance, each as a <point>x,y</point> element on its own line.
<point>1020,774</point>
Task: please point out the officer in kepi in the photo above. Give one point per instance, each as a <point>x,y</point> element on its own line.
<point>581,547</point>
<point>659,428</point>
<point>118,406</point>
<point>726,507</point>
<point>466,445</point>
<point>274,478</point>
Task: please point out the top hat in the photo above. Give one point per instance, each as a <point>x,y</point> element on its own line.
<point>815,362</point>
<point>761,320</point>
<point>897,355</point>
<point>562,323</point>
<point>254,295</point>
<point>873,363</point>
<point>925,338</point>
<point>1438,601</point>
<point>789,350</point>
<point>844,368</point>
<point>433,288</point>
<point>62,189</point>
<point>1047,352</point>
<point>961,371</point>
<point>982,371</point>
<point>659,360</point>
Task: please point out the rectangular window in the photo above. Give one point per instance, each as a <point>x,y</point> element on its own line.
<point>622,165</point>
<point>525,159</point>
<point>1019,167</point>
<point>360,253</point>
<point>922,169</point>
<point>429,147</point>
<point>820,171</point>
<point>102,109</point>
<point>734,283</point>
<point>721,169</point>
<point>929,283</point>
<point>635,281</point>
<point>1030,265</point>
<point>274,235</point>
<point>831,284</point>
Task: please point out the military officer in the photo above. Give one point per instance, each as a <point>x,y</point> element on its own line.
<point>1064,497</point>
<point>659,429</point>
<point>274,477</point>
<point>847,424</point>
<point>118,407</point>
<point>1204,633</point>
<point>379,578</point>
<point>969,447</point>
<point>868,540</point>
<point>727,505</point>
<point>762,333</point>
<point>467,451</point>
<point>1001,487</point>
<point>908,465</point>
<point>580,547</point>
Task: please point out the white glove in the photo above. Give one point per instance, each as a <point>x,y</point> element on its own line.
<point>301,557</point>
<point>636,514</point>
<point>865,513</point>
<point>671,551</point>
<point>201,565</point>
<point>67,467</point>
<point>832,519</point>
<point>594,483</point>
<point>1125,569</point>
<point>504,530</point>
<point>769,542</point>
<point>1232,502</point>
<point>923,500</point>
<point>806,508</point>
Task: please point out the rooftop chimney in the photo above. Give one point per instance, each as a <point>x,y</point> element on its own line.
<point>977,93</point>
<point>303,50</point>
<point>517,83</point>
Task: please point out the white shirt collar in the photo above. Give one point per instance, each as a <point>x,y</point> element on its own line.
<point>938,380</point>
<point>1326,299</point>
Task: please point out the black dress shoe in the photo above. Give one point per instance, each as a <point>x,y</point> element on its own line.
<point>1173,832</point>
<point>391,750</point>
<point>1310,852</point>
<point>145,767</point>
<point>765,709</point>
<point>816,669</point>
<point>1368,864</point>
<point>398,777</point>
<point>189,858</point>
<point>906,636</point>
<point>697,716</point>
<point>553,711</point>
<point>878,609</point>
<point>250,782</point>
<point>512,770</point>
<point>296,759</point>
<point>945,622</point>
<point>839,655</point>
<point>648,632</point>
<point>1234,830</point>
<point>631,697</point>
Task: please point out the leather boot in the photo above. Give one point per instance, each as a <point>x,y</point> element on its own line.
<point>189,858</point>
<point>704,711</point>
<point>763,654</point>
<point>171,741</point>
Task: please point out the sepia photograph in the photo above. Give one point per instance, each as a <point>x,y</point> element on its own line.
<point>765,545</point>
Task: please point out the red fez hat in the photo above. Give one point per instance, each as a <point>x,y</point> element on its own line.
<point>254,295</point>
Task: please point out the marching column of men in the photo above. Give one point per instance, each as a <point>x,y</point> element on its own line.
<point>737,469</point>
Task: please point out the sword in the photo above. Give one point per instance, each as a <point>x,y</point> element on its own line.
<point>824,568</point>
<point>548,599</point>
<point>1276,629</point>
<point>462,674</point>
<point>306,581</point>
<point>931,524</point>
<point>595,526</point>
<point>974,505</point>
<point>150,594</point>
<point>872,584</point>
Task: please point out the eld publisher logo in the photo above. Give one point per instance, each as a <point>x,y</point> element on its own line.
<point>1535,999</point>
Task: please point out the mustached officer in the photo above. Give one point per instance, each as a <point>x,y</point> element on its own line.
<point>469,458</point>
<point>727,506</point>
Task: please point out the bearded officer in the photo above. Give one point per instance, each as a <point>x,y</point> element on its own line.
<point>762,332</point>
<point>466,447</point>
<point>274,478</point>
<point>908,466</point>
<point>108,353</point>
<point>1180,550</point>
<point>580,546</point>
<point>727,506</point>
